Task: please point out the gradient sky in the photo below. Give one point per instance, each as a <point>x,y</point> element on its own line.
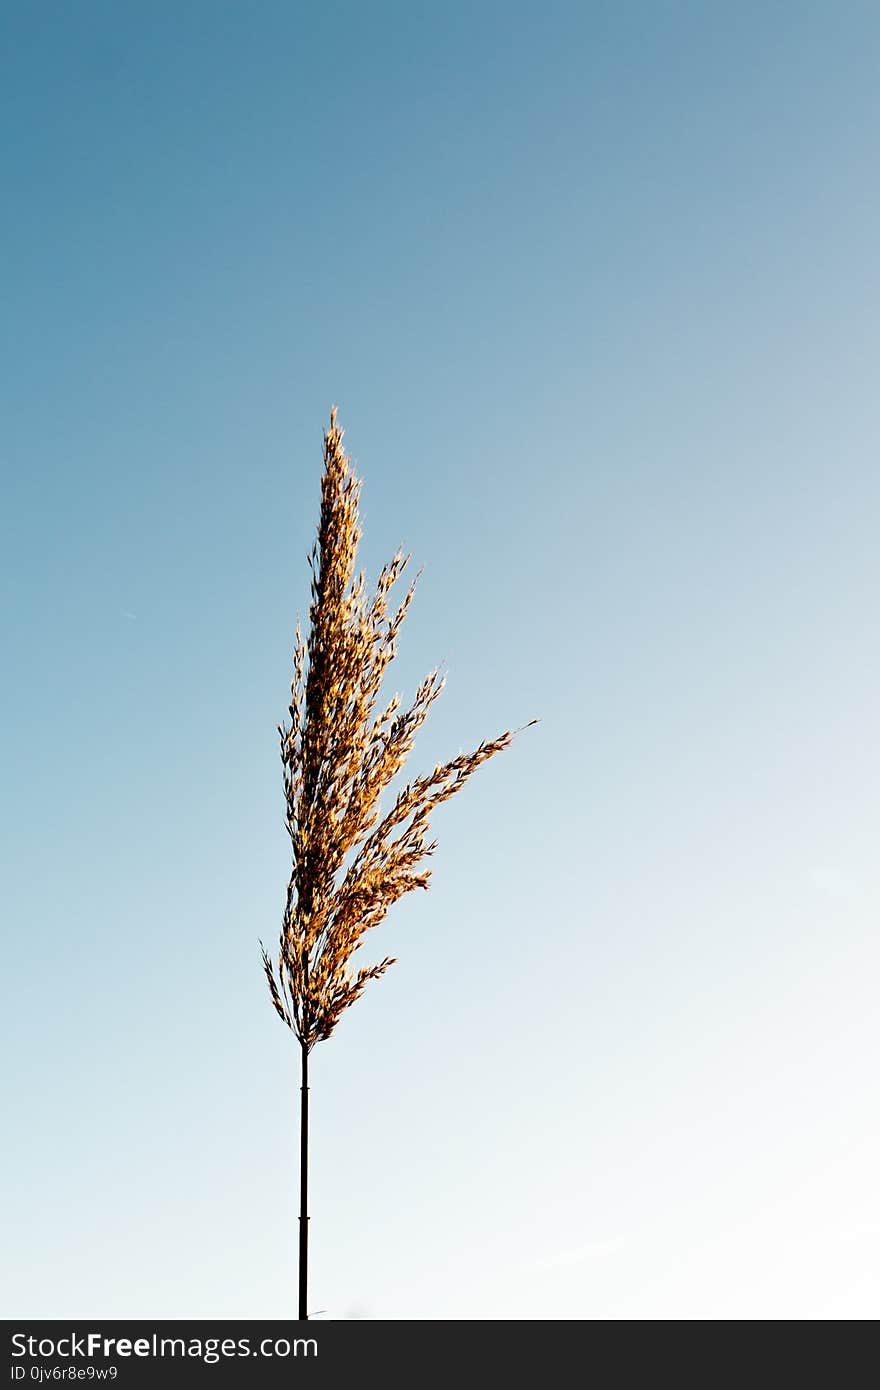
<point>595,287</point>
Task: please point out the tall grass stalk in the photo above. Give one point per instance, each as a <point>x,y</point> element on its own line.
<point>340,750</point>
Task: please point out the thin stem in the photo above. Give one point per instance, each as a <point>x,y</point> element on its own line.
<point>304,1188</point>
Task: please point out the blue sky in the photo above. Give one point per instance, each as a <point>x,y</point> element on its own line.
<point>595,288</point>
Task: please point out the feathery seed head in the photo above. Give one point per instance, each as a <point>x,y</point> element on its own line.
<point>338,756</point>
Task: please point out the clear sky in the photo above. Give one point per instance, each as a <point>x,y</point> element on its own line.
<point>595,287</point>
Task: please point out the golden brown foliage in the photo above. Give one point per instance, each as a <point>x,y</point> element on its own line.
<point>338,756</point>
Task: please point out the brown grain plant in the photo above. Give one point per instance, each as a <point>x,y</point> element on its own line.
<point>351,862</point>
